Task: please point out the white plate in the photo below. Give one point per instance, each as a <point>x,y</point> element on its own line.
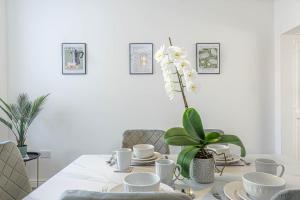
<point>230,190</point>
<point>242,194</point>
<point>162,188</point>
<point>221,158</point>
<point>235,159</point>
<point>146,162</point>
<point>153,157</point>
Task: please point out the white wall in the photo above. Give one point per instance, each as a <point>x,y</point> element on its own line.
<point>286,18</point>
<point>88,114</point>
<point>3,66</point>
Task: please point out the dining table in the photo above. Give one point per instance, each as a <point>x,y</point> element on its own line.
<point>92,173</point>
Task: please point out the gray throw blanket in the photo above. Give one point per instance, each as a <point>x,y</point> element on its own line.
<point>87,195</point>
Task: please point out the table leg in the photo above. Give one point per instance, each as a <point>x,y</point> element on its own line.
<point>37,173</point>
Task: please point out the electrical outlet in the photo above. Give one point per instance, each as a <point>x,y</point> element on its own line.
<point>45,154</point>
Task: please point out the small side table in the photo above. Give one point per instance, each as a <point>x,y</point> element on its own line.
<point>33,156</point>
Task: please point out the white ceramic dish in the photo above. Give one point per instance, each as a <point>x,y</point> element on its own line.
<point>162,188</point>
<point>219,148</point>
<point>233,159</point>
<point>143,150</point>
<point>146,162</point>
<point>262,186</point>
<point>153,157</point>
<point>243,195</point>
<point>141,182</point>
<point>230,190</point>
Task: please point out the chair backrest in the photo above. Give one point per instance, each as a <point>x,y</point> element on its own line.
<point>87,195</point>
<point>14,182</point>
<point>288,194</point>
<point>154,137</point>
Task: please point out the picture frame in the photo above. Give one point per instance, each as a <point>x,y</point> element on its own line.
<point>140,58</point>
<point>73,58</point>
<point>208,58</point>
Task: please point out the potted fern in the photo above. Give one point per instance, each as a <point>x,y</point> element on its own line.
<point>20,116</point>
<point>196,161</point>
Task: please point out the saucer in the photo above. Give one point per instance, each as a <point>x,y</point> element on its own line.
<point>231,190</point>
<point>234,159</point>
<point>243,195</point>
<point>153,157</point>
<point>146,162</point>
<point>162,188</point>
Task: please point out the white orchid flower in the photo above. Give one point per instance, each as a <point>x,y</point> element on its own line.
<point>191,87</point>
<point>166,63</point>
<point>182,64</point>
<point>159,55</point>
<point>189,74</point>
<point>176,53</point>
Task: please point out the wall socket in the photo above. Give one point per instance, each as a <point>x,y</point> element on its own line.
<point>45,154</point>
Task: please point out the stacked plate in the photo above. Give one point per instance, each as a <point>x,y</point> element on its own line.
<point>143,154</point>
<point>230,159</point>
<point>145,161</point>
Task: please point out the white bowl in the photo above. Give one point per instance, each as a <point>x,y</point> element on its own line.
<point>143,150</point>
<point>262,186</point>
<point>141,182</point>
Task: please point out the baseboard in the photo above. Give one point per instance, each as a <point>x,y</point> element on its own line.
<point>33,182</point>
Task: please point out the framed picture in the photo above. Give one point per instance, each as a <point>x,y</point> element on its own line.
<point>140,58</point>
<point>208,58</point>
<point>73,58</point>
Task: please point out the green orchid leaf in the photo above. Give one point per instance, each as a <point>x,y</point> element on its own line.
<point>212,137</point>
<point>232,139</point>
<point>193,124</point>
<point>185,158</point>
<point>179,137</point>
<point>6,123</point>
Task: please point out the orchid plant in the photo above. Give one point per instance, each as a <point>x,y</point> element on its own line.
<point>179,76</point>
<point>177,71</point>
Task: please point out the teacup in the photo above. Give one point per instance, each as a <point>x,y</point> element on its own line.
<point>165,169</point>
<point>268,166</point>
<point>262,186</point>
<point>141,182</point>
<point>123,158</point>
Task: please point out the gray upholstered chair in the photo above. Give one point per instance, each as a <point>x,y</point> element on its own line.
<point>154,137</point>
<point>14,182</point>
<point>288,194</point>
<point>87,195</point>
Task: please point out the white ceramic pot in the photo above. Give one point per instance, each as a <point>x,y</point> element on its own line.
<point>141,182</point>
<point>262,186</point>
<point>202,170</point>
<point>143,150</point>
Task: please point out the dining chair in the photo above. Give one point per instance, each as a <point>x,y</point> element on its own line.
<point>88,195</point>
<point>288,194</point>
<point>14,182</point>
<point>154,137</point>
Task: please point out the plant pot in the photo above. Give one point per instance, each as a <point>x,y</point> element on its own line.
<point>23,150</point>
<point>202,170</point>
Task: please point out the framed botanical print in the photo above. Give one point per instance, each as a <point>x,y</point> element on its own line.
<point>208,58</point>
<point>140,58</point>
<point>73,58</point>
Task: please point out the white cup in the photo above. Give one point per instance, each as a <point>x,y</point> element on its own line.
<point>165,169</point>
<point>268,166</point>
<point>123,158</point>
